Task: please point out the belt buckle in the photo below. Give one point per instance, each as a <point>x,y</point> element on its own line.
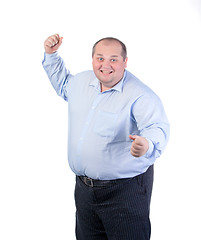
<point>88,181</point>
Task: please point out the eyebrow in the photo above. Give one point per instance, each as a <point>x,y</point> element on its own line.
<point>98,54</point>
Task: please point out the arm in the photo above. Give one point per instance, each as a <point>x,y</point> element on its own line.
<point>153,127</point>
<point>54,65</point>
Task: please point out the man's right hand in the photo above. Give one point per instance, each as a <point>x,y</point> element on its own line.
<point>52,43</point>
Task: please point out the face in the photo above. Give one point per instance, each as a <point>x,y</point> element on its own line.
<point>108,63</point>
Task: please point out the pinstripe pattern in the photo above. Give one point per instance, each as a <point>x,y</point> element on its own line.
<point>117,212</point>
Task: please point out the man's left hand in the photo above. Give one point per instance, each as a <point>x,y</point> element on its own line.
<point>139,146</point>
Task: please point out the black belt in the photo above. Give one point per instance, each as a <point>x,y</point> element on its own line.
<point>100,183</point>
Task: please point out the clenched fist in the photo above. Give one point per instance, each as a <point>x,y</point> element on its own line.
<point>139,146</point>
<point>52,43</point>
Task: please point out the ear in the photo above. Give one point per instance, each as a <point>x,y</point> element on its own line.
<point>126,60</point>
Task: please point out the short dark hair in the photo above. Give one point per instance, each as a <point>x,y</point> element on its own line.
<point>124,50</point>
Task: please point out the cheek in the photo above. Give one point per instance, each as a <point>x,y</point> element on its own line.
<point>95,65</point>
<point>120,69</point>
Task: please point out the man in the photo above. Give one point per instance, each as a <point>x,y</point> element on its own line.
<point>117,129</point>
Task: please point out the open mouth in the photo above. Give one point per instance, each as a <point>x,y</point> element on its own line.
<point>106,71</point>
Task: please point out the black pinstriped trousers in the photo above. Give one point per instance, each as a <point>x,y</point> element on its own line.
<point>117,211</point>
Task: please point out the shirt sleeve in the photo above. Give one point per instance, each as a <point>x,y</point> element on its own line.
<point>152,123</point>
<point>57,73</point>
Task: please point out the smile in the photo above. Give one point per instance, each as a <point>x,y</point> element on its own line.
<point>106,71</point>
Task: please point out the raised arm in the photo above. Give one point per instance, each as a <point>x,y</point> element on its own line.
<point>55,67</point>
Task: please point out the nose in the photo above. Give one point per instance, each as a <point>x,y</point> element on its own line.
<point>106,64</point>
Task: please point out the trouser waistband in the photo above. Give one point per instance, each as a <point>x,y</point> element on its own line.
<point>100,183</point>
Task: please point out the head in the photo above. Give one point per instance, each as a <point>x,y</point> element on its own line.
<point>109,60</point>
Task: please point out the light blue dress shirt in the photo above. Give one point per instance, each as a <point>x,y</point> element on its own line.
<point>100,122</point>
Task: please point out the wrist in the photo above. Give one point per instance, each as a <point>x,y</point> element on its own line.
<point>150,148</point>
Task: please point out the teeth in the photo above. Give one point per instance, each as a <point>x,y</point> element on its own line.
<point>106,71</point>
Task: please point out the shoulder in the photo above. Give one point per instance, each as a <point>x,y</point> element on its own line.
<point>84,78</point>
<point>136,88</point>
<point>85,74</point>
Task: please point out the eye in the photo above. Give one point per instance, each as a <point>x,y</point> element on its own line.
<point>113,60</point>
<point>100,59</point>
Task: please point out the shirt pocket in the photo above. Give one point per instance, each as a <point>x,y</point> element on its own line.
<point>105,123</point>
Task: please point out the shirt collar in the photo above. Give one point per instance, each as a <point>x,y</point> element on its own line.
<point>118,87</point>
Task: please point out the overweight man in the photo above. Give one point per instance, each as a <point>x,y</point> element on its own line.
<point>117,129</point>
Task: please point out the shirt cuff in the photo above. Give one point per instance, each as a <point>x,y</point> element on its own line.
<point>150,150</point>
<point>49,57</point>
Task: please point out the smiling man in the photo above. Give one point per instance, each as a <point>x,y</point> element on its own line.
<point>117,129</point>
<point>109,63</point>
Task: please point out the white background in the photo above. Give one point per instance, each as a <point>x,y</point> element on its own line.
<point>164,49</point>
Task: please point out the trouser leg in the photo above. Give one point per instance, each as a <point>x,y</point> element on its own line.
<point>88,224</point>
<point>124,208</point>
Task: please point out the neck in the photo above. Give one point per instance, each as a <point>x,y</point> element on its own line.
<point>104,88</point>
